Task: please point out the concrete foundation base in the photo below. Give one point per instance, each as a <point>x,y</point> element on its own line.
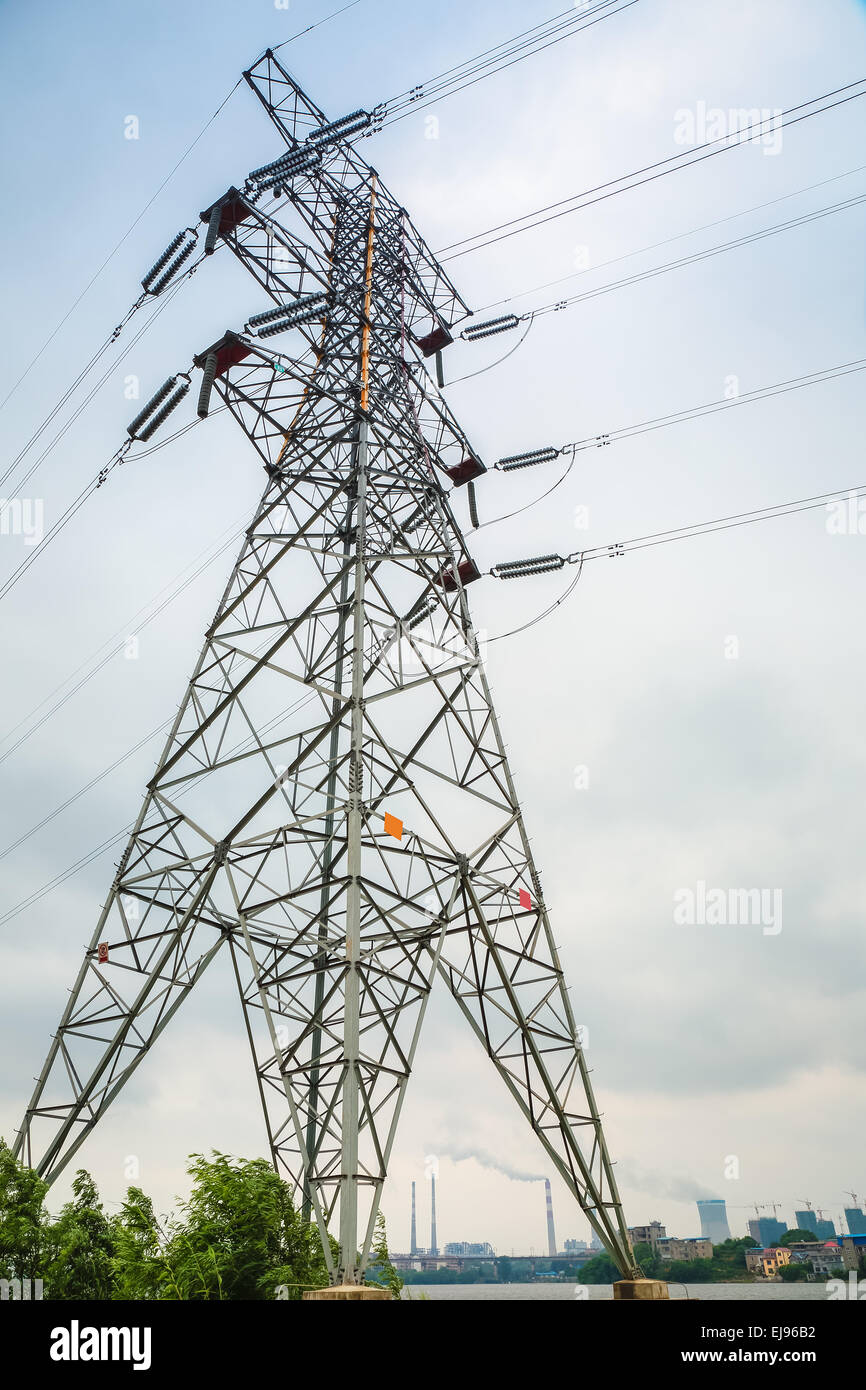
<point>640,1290</point>
<point>350,1292</point>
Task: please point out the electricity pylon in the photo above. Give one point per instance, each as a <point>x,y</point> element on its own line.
<point>333,805</point>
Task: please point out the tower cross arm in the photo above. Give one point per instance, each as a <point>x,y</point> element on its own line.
<point>297,118</point>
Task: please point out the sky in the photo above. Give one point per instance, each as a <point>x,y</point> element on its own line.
<point>691,715</point>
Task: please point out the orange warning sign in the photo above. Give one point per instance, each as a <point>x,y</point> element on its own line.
<point>393,826</point>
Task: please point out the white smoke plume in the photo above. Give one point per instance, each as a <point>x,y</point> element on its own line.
<point>487,1160</point>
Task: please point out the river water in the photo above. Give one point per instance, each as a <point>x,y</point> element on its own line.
<point>515,1293</point>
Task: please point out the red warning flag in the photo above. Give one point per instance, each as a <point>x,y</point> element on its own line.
<point>525,900</point>
<point>393,826</point>
<point>102,952</point>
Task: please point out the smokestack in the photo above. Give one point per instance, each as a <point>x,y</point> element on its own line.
<point>551,1234</point>
<point>434,1249</point>
<point>413,1241</point>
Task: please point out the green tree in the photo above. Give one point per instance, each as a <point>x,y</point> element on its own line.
<point>797,1235</point>
<point>80,1246</point>
<point>23,1219</point>
<point>647,1258</point>
<point>380,1270</point>
<point>599,1270</point>
<point>139,1264</point>
<point>794,1274</point>
<point>729,1259</point>
<point>239,1235</point>
<point>506,1271</point>
<point>691,1272</point>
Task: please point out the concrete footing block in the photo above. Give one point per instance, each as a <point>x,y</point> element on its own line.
<point>640,1290</point>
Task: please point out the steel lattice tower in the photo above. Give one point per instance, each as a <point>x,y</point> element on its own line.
<point>339,684</point>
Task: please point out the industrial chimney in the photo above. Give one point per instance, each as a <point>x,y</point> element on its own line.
<point>413,1242</point>
<point>551,1234</point>
<point>434,1248</point>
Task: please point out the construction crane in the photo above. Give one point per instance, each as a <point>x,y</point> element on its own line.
<point>756,1207</point>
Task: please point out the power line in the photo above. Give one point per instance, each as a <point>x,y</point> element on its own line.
<point>713,407</point>
<point>110,257</point>
<point>117,459</point>
<point>615,549</point>
<point>131,228</point>
<point>85,860</point>
<point>566,593</point>
<point>499,360</point>
<point>749,239</point>
<point>62,877</point>
<point>494,60</point>
<point>161,305</point>
<point>667,241</point>
<point>318,24</point>
<point>77,795</point>
<point>489,55</point>
<point>724,523</point>
<point>548,454</point>
<point>573,22</point>
<point>132,625</point>
<point>657,422</point>
<point>524,569</point>
<point>650,172</point>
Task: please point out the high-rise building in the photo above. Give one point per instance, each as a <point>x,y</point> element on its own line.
<point>856,1219</point>
<point>770,1231</point>
<point>811,1221</point>
<point>714,1220</point>
<point>807,1221</point>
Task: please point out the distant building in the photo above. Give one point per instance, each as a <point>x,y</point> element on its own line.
<point>825,1260</point>
<point>770,1231</point>
<point>647,1235</point>
<point>853,1250</point>
<point>855,1218</point>
<point>467,1247</point>
<point>573,1247</point>
<point>810,1221</point>
<point>767,1263</point>
<point>714,1220</point>
<point>425,1262</point>
<point>690,1248</point>
<point>821,1258</point>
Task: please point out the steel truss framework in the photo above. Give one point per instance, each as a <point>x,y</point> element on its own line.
<point>339,681</point>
